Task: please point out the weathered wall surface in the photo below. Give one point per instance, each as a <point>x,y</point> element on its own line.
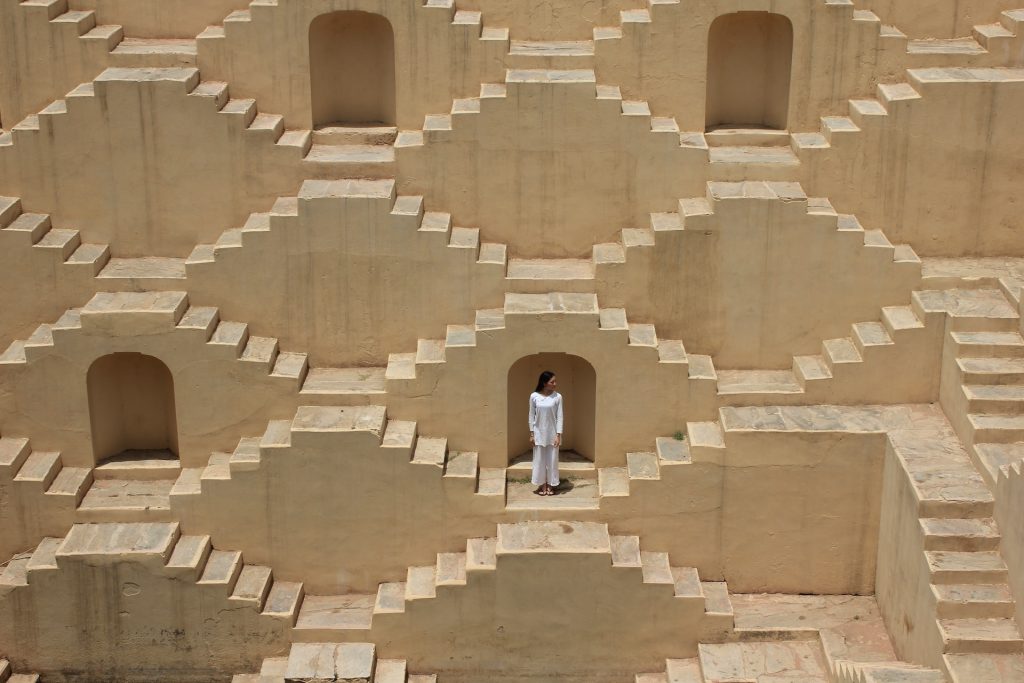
<point>1009,496</point>
<point>44,393</point>
<point>925,178</point>
<point>177,171</point>
<point>350,501</point>
<point>120,612</point>
<point>266,56</point>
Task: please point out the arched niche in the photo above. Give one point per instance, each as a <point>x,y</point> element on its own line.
<point>352,70</point>
<point>577,382</point>
<point>131,407</point>
<point>750,56</point>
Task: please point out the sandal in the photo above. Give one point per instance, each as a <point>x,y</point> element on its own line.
<point>539,492</point>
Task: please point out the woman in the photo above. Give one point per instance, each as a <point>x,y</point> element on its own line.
<point>545,433</point>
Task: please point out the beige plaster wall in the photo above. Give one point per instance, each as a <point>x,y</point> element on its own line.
<point>902,586</point>
<point>268,56</point>
<point>46,396</point>
<point>343,510</point>
<point>576,170</point>
<point>339,510</point>
<point>1009,515</point>
<point>944,19</point>
<point>148,135</point>
<point>40,61</point>
<point>347,275</point>
<point>160,18</point>
<point>27,513</point>
<point>503,642</point>
<point>130,618</point>
<point>924,177</point>
<point>666,61</point>
<point>764,276</point>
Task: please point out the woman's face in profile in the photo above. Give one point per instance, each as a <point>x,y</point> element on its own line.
<point>552,384</point>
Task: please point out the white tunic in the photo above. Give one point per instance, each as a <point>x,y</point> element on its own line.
<point>545,417</point>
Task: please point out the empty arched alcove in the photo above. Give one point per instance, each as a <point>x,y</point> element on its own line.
<point>131,407</point>
<point>352,69</point>
<point>750,55</point>
<point>577,382</point>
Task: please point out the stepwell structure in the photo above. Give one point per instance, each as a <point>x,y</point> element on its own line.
<point>278,279</point>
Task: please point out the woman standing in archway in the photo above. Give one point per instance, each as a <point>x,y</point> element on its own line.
<point>545,433</point>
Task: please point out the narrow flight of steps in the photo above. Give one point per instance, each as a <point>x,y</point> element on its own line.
<point>343,617</point>
<point>38,480</point>
<point>7,674</point>
<point>110,38</point>
<point>220,338</point>
<point>162,546</point>
<point>983,382</point>
<point>431,354</point>
<point>333,662</point>
<point>840,358</point>
<point>434,229</point>
<point>991,44</point>
<point>87,260</point>
<point>431,454</point>
<point>241,114</point>
<point>636,113</point>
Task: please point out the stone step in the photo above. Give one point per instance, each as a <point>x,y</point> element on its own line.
<point>994,398</point>
<point>962,535</point>
<point>322,616</point>
<point>111,500</point>
<point>753,156</point>
<point>991,370</point>
<point>995,636</point>
<point>951,567</point>
<point>344,382</point>
<point>757,661</point>
<point>969,309</point>
<point>985,344</point>
<point>997,428</point>
<point>974,601</point>
<point>139,465</point>
<point>995,456</point>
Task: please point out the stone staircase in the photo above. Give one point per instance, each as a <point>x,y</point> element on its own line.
<point>221,337</point>
<point>433,227</point>
<point>368,161</point>
<point>343,618</point>
<point>333,662</point>
<point>967,576</point>
<point>313,425</point>
<point>162,546</point>
<point>983,375</point>
<point>123,51</point>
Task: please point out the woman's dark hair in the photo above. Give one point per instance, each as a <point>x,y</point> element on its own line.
<point>544,378</point>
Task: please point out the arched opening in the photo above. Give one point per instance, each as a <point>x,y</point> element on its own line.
<point>750,55</point>
<point>352,71</point>
<point>131,408</point>
<point>577,382</point>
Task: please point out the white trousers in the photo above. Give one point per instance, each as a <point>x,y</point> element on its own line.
<point>545,465</point>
